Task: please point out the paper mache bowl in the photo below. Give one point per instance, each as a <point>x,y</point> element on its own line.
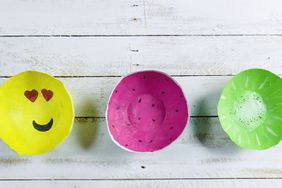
<point>146,111</point>
<point>250,109</point>
<point>36,112</point>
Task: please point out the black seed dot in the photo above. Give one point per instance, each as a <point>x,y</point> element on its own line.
<point>128,125</point>
<point>115,91</point>
<point>143,167</point>
<point>153,120</point>
<point>163,92</point>
<point>126,145</point>
<point>139,118</point>
<point>170,139</point>
<point>153,105</point>
<point>113,126</point>
<point>176,110</point>
<point>140,100</point>
<point>139,140</point>
<point>133,89</point>
<point>171,128</point>
<point>144,77</point>
<point>181,95</point>
<point>166,79</point>
<point>118,108</point>
<point>151,141</point>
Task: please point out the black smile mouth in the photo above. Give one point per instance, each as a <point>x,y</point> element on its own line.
<point>43,128</point>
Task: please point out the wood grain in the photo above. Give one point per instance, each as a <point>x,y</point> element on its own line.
<point>140,17</point>
<point>202,151</point>
<point>89,44</point>
<point>145,183</point>
<point>90,95</point>
<point>117,56</point>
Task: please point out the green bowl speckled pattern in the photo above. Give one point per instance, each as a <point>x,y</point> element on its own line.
<point>250,109</point>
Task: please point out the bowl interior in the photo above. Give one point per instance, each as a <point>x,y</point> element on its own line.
<point>36,112</point>
<point>146,112</point>
<point>250,109</point>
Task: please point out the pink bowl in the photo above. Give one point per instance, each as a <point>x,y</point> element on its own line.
<point>147,111</point>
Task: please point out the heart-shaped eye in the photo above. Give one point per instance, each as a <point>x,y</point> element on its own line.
<point>31,95</point>
<point>47,94</point>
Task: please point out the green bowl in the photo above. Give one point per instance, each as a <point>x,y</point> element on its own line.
<point>250,109</point>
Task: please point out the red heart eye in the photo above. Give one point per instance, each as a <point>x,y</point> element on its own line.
<point>47,94</point>
<point>31,95</point>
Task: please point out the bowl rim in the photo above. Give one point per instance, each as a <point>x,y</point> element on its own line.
<point>223,125</point>
<point>69,97</point>
<point>106,113</point>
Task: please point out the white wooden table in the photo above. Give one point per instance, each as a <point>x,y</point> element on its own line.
<point>89,44</point>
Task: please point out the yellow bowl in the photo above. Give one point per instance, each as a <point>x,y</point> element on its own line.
<point>36,112</point>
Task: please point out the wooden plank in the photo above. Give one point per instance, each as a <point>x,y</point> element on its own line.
<point>258,183</point>
<point>116,56</point>
<point>202,151</point>
<point>90,95</point>
<point>139,17</point>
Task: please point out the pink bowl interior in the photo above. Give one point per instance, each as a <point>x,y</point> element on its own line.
<point>146,111</point>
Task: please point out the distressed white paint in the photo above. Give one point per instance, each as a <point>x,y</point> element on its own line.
<point>145,183</point>
<point>218,38</point>
<point>102,56</point>
<point>202,151</point>
<point>90,95</point>
<point>115,17</point>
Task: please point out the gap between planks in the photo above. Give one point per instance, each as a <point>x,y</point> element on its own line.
<point>145,179</point>
<point>95,117</point>
<point>119,76</point>
<point>148,35</point>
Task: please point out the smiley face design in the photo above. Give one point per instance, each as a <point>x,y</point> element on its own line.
<point>36,112</point>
